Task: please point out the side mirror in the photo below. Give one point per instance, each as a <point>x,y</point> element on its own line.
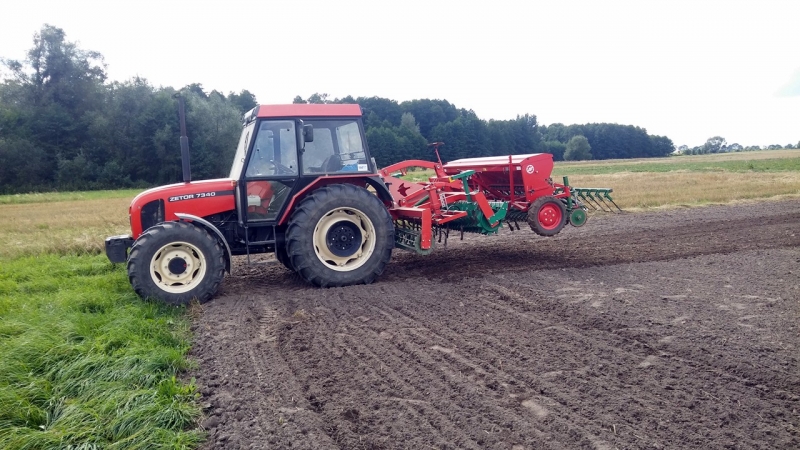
<point>308,133</point>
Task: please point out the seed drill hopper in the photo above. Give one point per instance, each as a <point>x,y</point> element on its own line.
<point>479,194</point>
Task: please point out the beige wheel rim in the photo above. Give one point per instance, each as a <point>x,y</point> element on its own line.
<point>344,239</point>
<point>178,267</point>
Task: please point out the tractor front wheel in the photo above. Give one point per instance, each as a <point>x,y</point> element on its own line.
<point>176,262</point>
<point>340,235</point>
<point>547,216</point>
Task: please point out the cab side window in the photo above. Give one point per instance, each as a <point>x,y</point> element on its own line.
<point>337,147</point>
<point>318,152</point>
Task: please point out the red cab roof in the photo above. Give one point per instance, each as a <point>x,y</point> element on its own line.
<point>309,110</point>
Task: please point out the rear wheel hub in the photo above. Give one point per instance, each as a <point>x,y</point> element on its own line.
<point>344,238</point>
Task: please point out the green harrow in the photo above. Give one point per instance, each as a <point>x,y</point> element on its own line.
<point>597,198</point>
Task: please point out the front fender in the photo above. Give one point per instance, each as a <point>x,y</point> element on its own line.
<point>212,229</point>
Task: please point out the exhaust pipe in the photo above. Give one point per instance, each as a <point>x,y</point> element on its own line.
<point>187,171</point>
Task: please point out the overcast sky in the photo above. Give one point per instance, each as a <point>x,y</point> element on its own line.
<point>688,70</point>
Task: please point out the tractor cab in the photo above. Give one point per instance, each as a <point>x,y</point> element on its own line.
<point>285,148</point>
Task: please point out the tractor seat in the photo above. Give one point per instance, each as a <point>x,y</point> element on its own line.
<point>332,163</point>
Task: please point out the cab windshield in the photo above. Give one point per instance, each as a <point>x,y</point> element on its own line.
<point>241,151</point>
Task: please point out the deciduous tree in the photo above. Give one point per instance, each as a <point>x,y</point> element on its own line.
<point>243,101</point>
<point>578,149</point>
<point>714,144</point>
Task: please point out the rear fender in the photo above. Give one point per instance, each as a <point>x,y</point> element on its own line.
<point>374,181</point>
<point>199,221</point>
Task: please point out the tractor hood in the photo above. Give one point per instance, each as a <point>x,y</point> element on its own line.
<point>200,198</point>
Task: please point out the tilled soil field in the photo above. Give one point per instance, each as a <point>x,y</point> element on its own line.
<point>672,329</point>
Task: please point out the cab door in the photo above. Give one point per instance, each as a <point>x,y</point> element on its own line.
<point>270,172</point>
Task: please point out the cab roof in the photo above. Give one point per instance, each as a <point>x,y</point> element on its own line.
<point>309,110</point>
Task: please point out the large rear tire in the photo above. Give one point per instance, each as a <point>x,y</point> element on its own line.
<point>283,258</point>
<point>340,235</point>
<point>547,216</point>
<point>176,262</point>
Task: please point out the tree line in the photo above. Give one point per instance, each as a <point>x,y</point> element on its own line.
<point>398,131</point>
<point>719,144</point>
<point>65,126</point>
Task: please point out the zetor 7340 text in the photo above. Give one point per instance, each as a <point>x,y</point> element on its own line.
<point>303,185</point>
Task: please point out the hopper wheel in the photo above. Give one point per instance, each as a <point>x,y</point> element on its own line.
<point>340,235</point>
<point>547,216</point>
<point>176,262</point>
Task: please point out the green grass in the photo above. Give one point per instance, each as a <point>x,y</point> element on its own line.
<point>84,363</point>
<point>48,197</point>
<point>679,164</point>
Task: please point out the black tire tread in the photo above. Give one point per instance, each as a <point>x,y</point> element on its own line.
<point>283,257</point>
<point>533,216</point>
<point>148,242</point>
<point>301,228</point>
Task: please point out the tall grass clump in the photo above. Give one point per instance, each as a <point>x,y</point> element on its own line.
<point>84,363</point>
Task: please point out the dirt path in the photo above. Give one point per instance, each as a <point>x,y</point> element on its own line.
<point>674,329</point>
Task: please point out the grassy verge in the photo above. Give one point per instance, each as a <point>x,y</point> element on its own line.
<point>635,190</point>
<point>770,161</point>
<point>84,363</point>
<point>690,180</point>
<point>48,197</point>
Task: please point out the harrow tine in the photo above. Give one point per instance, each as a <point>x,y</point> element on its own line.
<point>586,200</point>
<point>594,199</point>
<point>597,199</point>
<point>605,204</point>
<point>613,202</point>
<point>578,203</point>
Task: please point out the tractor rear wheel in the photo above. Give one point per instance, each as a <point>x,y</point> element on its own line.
<point>547,216</point>
<point>176,262</point>
<point>340,235</point>
<point>283,258</point>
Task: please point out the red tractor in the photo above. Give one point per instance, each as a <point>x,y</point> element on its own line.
<point>303,185</point>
